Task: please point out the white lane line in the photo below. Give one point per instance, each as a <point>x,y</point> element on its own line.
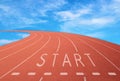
<point>105,45</point>
<point>80,73</point>
<point>31,73</point>
<point>95,73</point>
<point>41,79</point>
<point>84,79</point>
<point>48,73</point>
<point>112,73</point>
<point>17,44</point>
<point>16,52</point>
<point>101,54</point>
<point>58,45</point>
<point>25,59</point>
<point>76,49</point>
<point>15,73</point>
<point>63,73</point>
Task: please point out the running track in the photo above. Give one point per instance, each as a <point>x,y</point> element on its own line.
<point>97,60</point>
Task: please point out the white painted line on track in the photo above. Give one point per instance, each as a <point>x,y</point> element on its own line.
<point>84,79</point>
<point>31,73</point>
<point>95,73</point>
<point>58,45</point>
<point>112,73</point>
<point>41,79</point>
<point>16,52</point>
<point>18,44</point>
<point>101,54</point>
<point>80,73</point>
<point>15,73</point>
<point>63,73</point>
<point>105,45</point>
<point>76,49</point>
<point>48,73</point>
<point>25,59</point>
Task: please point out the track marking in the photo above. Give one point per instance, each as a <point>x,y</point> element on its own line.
<point>95,73</point>
<point>15,73</point>
<point>80,73</point>
<point>16,52</point>
<point>18,44</point>
<point>41,79</point>
<point>31,73</point>
<point>25,59</point>
<point>58,45</point>
<point>76,49</point>
<point>112,73</point>
<point>63,73</point>
<point>101,54</point>
<point>84,79</point>
<point>105,45</point>
<point>48,73</point>
<point>87,54</point>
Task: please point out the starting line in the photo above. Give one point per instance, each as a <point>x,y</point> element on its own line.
<point>65,73</point>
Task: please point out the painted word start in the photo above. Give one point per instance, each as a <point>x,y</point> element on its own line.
<point>78,61</point>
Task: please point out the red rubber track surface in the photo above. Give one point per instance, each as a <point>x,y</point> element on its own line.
<point>96,60</point>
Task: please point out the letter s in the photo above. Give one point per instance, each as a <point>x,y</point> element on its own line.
<point>43,60</point>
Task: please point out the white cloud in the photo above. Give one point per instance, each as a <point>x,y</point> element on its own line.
<point>67,15</point>
<point>111,9</point>
<point>16,18</point>
<point>97,34</point>
<point>50,6</point>
<point>93,17</point>
<point>5,8</point>
<point>71,15</point>
<point>29,21</point>
<point>80,25</point>
<point>23,35</point>
<point>90,19</point>
<point>99,22</point>
<point>5,41</point>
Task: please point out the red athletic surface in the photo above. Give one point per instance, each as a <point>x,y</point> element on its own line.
<point>22,57</point>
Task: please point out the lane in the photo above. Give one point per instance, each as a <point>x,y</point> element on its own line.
<point>112,54</point>
<point>76,49</point>
<point>110,47</point>
<point>61,57</point>
<point>18,49</point>
<point>31,43</point>
<point>107,44</point>
<point>24,69</point>
<point>100,49</point>
<point>104,56</point>
<point>102,65</point>
<point>64,70</point>
<point>12,61</point>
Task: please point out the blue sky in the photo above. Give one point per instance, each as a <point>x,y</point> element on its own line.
<point>96,18</point>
